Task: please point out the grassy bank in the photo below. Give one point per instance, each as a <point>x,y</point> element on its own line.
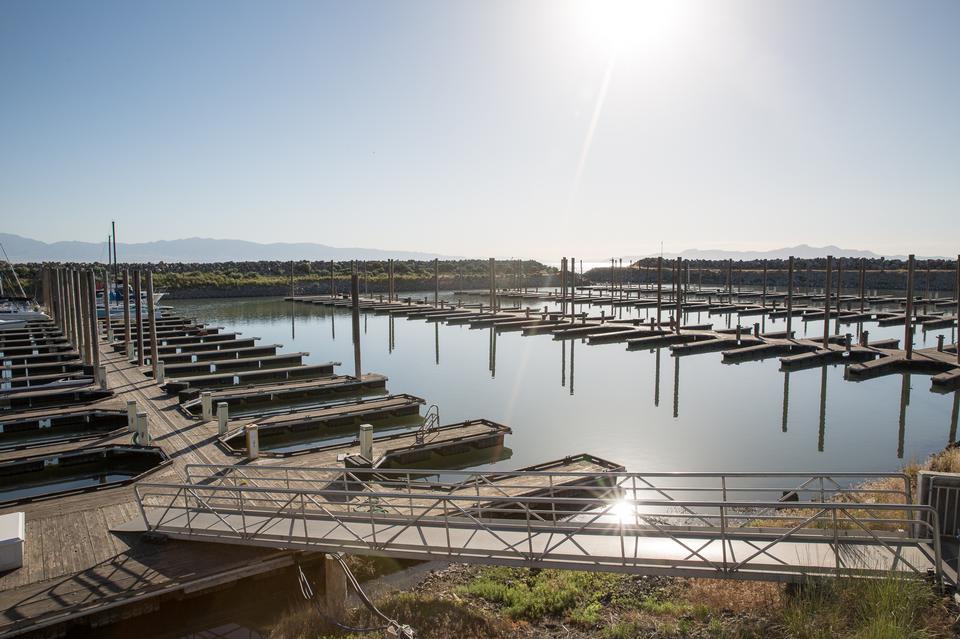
<point>470,602</point>
<point>473,603</point>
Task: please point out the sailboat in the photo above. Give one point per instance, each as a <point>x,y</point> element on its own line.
<point>16,310</point>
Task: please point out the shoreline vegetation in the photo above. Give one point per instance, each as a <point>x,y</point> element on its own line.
<point>273,278</point>
<point>474,602</point>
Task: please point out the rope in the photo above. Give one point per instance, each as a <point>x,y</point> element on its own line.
<point>306,589</point>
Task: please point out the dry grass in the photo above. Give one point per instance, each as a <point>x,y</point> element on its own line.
<point>946,461</point>
<point>738,597</point>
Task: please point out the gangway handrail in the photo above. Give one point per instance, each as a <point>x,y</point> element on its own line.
<point>822,484</point>
<point>511,525</point>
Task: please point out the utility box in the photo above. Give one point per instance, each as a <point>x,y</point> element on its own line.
<point>12,537</point>
<point>942,492</point>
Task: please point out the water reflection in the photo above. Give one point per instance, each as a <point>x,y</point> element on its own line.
<point>904,402</point>
<point>725,423</point>
<point>676,387</point>
<point>656,385</point>
<point>786,400</point>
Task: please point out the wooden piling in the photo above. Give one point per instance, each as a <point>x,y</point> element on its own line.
<point>863,282</point>
<point>956,312</point>
<point>659,287</point>
<point>355,311</point>
<point>333,281</point>
<point>83,317</point>
<point>78,315</point>
<point>106,305</point>
<point>94,324</point>
<point>138,313</point>
<point>678,297</point>
<point>826,303</point>
<point>126,311</point>
<point>789,295</point>
<point>152,321</point>
<point>763,295</point>
<point>436,282</point>
<point>493,286</point>
<point>839,293</point>
<point>908,311</point>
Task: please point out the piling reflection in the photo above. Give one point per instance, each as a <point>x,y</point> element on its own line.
<point>656,383</point>
<point>902,422</point>
<point>572,343</point>
<point>563,363</point>
<point>786,400</point>
<point>953,417</point>
<point>493,351</point>
<point>676,387</point>
<point>823,408</point>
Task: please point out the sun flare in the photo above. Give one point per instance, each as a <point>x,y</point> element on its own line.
<point>626,26</point>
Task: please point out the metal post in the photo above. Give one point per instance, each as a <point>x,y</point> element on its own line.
<point>908,312</point>
<point>789,295</point>
<point>826,303</point>
<point>436,281</point>
<point>152,320</point>
<point>333,281</point>
<point>956,311</point>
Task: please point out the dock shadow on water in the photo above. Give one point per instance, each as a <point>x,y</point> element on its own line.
<point>645,409</point>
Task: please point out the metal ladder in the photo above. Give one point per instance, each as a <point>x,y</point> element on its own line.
<point>431,421</point>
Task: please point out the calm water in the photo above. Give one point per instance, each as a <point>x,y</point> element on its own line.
<point>645,409</point>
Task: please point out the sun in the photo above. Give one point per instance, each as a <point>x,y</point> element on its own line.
<point>630,26</point>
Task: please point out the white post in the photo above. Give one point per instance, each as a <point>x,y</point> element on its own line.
<point>223,414</point>
<point>206,405</point>
<point>160,373</point>
<point>102,374</point>
<point>131,415</point>
<point>128,349</point>
<point>143,429</point>
<point>366,442</point>
<point>253,441</point>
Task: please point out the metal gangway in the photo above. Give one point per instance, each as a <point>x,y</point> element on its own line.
<point>767,526</point>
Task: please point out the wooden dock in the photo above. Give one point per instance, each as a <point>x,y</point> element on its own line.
<point>737,344</point>
<point>76,569</point>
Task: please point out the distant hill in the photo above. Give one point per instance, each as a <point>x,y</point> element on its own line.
<point>194,249</point>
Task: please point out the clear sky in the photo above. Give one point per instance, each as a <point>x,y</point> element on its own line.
<point>493,127</point>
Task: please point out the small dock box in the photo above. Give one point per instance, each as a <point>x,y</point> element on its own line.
<point>11,541</point>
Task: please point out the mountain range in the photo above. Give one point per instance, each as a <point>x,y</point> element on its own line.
<point>194,249</point>
<point>199,249</point>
